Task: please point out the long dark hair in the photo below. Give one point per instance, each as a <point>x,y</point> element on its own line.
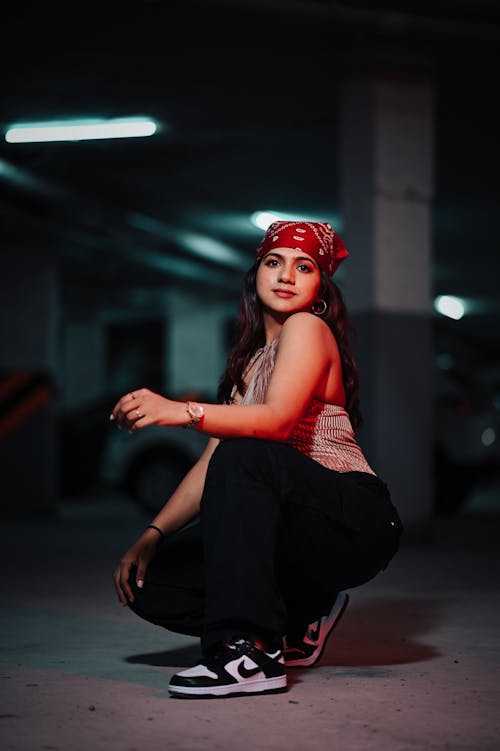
<point>249,335</point>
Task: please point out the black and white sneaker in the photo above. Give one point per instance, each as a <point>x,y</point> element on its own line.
<point>234,669</point>
<point>306,652</point>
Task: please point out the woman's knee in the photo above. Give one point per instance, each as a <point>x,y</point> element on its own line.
<point>238,453</point>
<point>231,448</point>
<point>179,610</point>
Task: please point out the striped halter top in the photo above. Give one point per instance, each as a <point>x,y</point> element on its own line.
<point>324,432</point>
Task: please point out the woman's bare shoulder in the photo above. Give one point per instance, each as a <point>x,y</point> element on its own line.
<point>306,324</point>
<point>310,336</point>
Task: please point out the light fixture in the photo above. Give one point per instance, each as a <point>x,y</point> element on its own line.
<point>81,130</point>
<point>450,306</point>
<point>488,437</point>
<point>197,244</point>
<point>262,219</point>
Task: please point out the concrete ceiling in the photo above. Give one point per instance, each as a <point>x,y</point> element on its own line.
<point>222,78</point>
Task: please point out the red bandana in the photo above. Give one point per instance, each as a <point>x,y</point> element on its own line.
<point>317,239</point>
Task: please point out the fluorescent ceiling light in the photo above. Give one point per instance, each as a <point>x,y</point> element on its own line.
<point>81,130</point>
<point>262,219</point>
<point>452,307</point>
<point>213,250</point>
<point>488,437</point>
<point>197,244</point>
<point>21,178</point>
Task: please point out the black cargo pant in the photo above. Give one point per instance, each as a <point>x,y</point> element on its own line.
<point>278,536</point>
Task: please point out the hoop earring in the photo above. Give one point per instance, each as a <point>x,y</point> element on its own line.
<point>323,309</point>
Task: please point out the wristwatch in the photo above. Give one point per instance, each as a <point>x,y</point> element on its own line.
<point>195,412</point>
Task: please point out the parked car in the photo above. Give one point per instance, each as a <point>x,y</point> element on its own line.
<point>466,452</point>
<point>148,465</point>
<point>466,445</point>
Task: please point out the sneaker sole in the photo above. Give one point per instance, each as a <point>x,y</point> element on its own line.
<point>259,686</point>
<point>333,618</point>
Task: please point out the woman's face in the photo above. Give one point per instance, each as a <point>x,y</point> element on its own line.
<point>288,281</point>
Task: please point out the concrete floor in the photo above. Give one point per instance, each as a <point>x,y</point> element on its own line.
<point>414,664</point>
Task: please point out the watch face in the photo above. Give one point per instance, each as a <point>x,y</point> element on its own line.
<point>196,410</point>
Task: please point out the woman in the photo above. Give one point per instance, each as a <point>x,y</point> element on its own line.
<point>282,511</point>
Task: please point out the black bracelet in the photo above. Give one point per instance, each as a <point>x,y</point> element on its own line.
<point>153,526</point>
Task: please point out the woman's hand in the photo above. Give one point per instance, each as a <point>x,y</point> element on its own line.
<point>140,554</point>
<point>143,407</point>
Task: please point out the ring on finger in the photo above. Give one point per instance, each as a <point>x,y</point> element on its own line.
<point>138,413</point>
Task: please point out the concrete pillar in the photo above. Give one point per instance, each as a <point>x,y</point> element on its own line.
<point>197,343</point>
<point>386,159</point>
<point>28,383</point>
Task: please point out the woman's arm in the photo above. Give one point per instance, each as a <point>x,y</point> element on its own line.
<point>181,507</point>
<point>304,357</point>
<point>184,503</point>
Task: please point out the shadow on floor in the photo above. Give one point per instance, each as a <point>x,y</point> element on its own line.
<point>379,631</point>
<point>171,658</point>
<point>384,631</point>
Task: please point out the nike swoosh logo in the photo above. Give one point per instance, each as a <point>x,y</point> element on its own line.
<point>313,634</point>
<point>248,672</point>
